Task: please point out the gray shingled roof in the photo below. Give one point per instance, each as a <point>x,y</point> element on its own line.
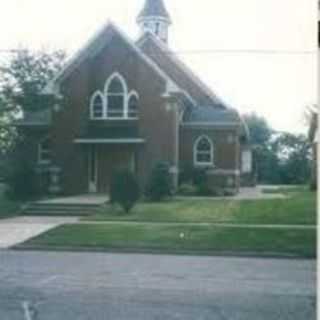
<point>211,114</point>
<point>154,8</point>
<point>180,73</point>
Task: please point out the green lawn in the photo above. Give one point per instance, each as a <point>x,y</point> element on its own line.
<point>8,207</point>
<point>167,238</point>
<point>147,233</point>
<point>299,208</point>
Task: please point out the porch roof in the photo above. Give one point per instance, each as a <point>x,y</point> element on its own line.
<point>109,141</point>
<point>115,134</point>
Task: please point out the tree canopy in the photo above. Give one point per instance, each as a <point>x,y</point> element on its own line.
<point>22,78</point>
<point>280,157</point>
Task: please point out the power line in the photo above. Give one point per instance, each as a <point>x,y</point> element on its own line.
<point>238,51</point>
<point>12,50</point>
<point>210,51</point>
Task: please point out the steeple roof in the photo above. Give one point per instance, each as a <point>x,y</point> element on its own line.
<point>154,8</point>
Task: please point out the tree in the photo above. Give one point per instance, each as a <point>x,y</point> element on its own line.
<point>312,121</point>
<point>159,186</point>
<point>280,157</point>
<point>294,153</point>
<point>260,130</point>
<point>264,157</point>
<point>22,78</point>
<point>125,190</point>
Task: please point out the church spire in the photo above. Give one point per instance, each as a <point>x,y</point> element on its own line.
<point>155,18</point>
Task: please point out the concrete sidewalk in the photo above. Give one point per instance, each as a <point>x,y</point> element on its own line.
<point>17,230</point>
<point>250,193</point>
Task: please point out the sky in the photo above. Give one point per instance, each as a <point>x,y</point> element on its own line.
<point>256,55</point>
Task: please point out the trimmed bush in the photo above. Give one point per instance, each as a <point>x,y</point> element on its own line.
<point>159,186</point>
<point>200,180</point>
<point>124,190</point>
<point>186,174</point>
<point>187,190</point>
<point>21,182</point>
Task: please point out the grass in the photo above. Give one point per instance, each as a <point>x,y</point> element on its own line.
<point>299,208</point>
<point>8,208</point>
<point>167,238</point>
<point>188,236</point>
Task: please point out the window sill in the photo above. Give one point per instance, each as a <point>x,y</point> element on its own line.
<point>114,119</point>
<point>204,165</point>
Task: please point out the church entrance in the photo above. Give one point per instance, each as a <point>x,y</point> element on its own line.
<point>104,161</point>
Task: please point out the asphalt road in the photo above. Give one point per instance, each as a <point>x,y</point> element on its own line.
<point>63,286</point>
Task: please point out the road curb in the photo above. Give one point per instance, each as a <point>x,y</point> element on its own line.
<point>244,254</point>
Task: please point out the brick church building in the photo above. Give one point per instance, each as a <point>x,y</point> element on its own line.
<point>130,104</point>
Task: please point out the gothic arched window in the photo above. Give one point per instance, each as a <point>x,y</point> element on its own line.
<point>133,105</point>
<point>97,106</point>
<point>116,93</point>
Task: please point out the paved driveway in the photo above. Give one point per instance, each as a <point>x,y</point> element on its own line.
<point>96,286</point>
<point>17,230</point>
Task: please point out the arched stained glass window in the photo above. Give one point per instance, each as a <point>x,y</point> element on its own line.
<point>203,151</point>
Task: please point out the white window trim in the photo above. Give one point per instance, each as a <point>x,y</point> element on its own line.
<point>117,75</point>
<point>131,94</point>
<point>195,152</point>
<point>94,96</point>
<point>40,152</point>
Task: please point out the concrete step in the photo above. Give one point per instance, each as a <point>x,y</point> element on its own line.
<point>60,209</point>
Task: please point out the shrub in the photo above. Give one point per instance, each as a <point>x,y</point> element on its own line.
<point>159,186</point>
<point>187,190</point>
<point>200,178</point>
<point>124,190</point>
<point>21,182</point>
<point>186,174</point>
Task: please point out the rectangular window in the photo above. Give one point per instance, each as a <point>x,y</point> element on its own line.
<point>44,152</point>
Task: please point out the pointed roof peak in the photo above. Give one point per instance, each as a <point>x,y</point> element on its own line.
<point>154,8</point>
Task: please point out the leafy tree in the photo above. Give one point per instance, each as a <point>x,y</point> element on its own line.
<point>125,190</point>
<point>294,153</point>
<point>159,186</point>
<point>312,120</point>
<point>260,131</point>
<point>22,78</point>
<point>264,157</point>
<point>280,157</point>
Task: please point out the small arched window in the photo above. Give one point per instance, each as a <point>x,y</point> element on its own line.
<point>97,106</point>
<point>116,91</point>
<point>133,105</point>
<point>203,152</point>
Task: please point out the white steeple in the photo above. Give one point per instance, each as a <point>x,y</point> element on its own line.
<point>155,18</point>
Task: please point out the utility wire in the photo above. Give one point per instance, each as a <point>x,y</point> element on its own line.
<point>217,51</point>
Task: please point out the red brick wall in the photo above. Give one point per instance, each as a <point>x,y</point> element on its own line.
<point>156,124</point>
<point>226,153</point>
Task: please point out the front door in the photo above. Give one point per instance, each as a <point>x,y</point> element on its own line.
<point>110,160</point>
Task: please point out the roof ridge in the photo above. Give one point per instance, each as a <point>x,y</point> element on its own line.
<point>185,67</point>
<point>83,52</point>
